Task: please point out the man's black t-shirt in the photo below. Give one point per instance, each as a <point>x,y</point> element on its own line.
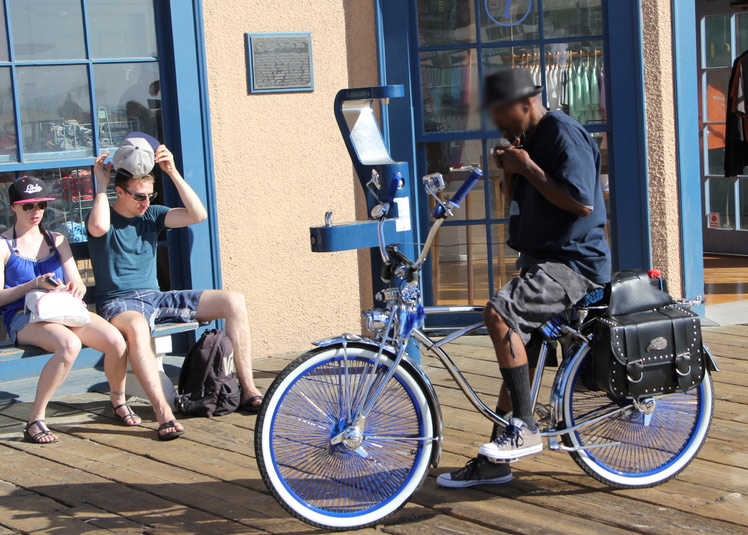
<point>562,148</point>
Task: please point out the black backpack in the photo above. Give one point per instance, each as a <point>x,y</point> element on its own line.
<point>207,384</point>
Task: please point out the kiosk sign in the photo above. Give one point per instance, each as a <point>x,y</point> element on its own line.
<point>280,62</point>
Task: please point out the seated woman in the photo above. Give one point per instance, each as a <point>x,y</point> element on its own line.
<point>38,259</point>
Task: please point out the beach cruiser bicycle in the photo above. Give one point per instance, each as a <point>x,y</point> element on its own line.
<point>347,431</point>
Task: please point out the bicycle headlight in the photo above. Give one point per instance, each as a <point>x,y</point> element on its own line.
<point>375,320</point>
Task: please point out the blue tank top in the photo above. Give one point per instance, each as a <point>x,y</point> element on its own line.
<point>20,270</point>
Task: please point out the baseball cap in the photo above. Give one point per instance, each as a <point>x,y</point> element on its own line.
<point>135,156</point>
<point>29,189</point>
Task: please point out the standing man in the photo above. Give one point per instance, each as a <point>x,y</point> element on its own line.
<point>557,222</point>
<point>122,241</point>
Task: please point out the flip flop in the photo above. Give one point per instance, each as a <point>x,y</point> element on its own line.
<point>168,436</point>
<point>129,417</point>
<point>249,406</point>
<point>34,439</point>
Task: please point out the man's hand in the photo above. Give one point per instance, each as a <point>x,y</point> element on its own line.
<point>512,160</point>
<point>165,160</point>
<point>103,174</point>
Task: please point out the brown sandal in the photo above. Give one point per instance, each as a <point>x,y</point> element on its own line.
<point>129,417</point>
<point>34,439</point>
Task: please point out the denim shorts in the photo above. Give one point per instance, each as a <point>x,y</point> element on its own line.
<point>18,322</point>
<point>177,306</point>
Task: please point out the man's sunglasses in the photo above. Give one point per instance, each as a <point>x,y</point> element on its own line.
<point>27,207</point>
<point>140,197</point>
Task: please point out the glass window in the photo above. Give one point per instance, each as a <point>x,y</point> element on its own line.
<point>446,22</point>
<point>562,18</point>
<point>742,37</point>
<point>53,99</point>
<point>448,158</point>
<point>575,80</point>
<point>55,109</point>
<point>450,90</point>
<point>509,20</point>
<point>8,143</point>
<point>505,258</point>
<point>460,270</point>
<point>717,37</point>
<point>136,29</point>
<point>602,144</point>
<point>47,29</point>
<point>495,59</point>
<point>716,95</point>
<point>715,150</point>
<point>128,98</point>
<point>3,37</point>
<point>721,203</point>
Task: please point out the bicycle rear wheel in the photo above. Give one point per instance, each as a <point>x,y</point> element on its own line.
<point>333,485</point>
<point>652,448</point>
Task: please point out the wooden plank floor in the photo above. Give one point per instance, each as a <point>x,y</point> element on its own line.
<point>105,478</point>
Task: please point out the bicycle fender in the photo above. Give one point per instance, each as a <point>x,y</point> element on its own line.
<point>415,371</point>
<point>711,362</point>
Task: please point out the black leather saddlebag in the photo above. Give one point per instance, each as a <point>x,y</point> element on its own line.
<point>647,353</point>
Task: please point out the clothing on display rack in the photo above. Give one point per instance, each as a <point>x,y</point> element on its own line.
<point>736,137</point>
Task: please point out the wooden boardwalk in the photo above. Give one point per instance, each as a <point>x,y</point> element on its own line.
<point>105,478</point>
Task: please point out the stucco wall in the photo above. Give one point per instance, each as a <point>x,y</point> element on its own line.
<point>661,140</point>
<point>280,164</point>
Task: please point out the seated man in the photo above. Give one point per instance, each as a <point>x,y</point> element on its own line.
<point>122,245</point>
<point>557,222</point>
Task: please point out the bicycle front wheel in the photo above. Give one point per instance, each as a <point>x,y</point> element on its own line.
<point>338,485</point>
<point>636,448</point>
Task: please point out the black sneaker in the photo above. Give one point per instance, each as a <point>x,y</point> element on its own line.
<point>478,471</point>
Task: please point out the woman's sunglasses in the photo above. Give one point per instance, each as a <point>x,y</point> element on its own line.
<point>140,197</point>
<point>27,207</point>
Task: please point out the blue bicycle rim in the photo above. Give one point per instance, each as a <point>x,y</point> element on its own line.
<point>330,479</point>
<point>645,449</point>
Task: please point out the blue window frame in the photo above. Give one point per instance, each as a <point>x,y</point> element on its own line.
<point>149,39</point>
<point>464,137</point>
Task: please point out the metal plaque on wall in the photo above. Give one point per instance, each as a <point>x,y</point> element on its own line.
<point>279,62</point>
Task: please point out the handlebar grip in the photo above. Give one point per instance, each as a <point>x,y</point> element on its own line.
<point>392,188</point>
<point>472,180</point>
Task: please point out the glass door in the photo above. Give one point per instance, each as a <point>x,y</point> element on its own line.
<point>723,36</point>
<point>458,43</point>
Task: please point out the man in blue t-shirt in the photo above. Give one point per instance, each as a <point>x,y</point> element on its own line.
<point>557,219</point>
<point>122,241</point>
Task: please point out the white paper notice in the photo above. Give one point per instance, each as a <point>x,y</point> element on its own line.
<point>402,223</point>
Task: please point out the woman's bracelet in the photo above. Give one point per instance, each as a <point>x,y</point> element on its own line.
<point>36,280</point>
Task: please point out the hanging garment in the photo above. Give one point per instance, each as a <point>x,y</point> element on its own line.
<point>563,90</point>
<point>603,106</point>
<point>736,138</point>
<point>594,109</point>
<point>552,83</point>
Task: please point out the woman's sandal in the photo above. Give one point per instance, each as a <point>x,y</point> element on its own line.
<point>249,406</point>
<point>34,439</point>
<point>169,436</point>
<point>127,418</point>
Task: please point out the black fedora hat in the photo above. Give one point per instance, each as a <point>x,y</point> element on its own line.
<point>509,85</point>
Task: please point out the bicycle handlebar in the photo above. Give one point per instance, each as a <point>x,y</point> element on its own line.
<point>454,202</point>
<point>472,180</point>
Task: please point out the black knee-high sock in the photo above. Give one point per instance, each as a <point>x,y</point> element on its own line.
<point>517,381</point>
